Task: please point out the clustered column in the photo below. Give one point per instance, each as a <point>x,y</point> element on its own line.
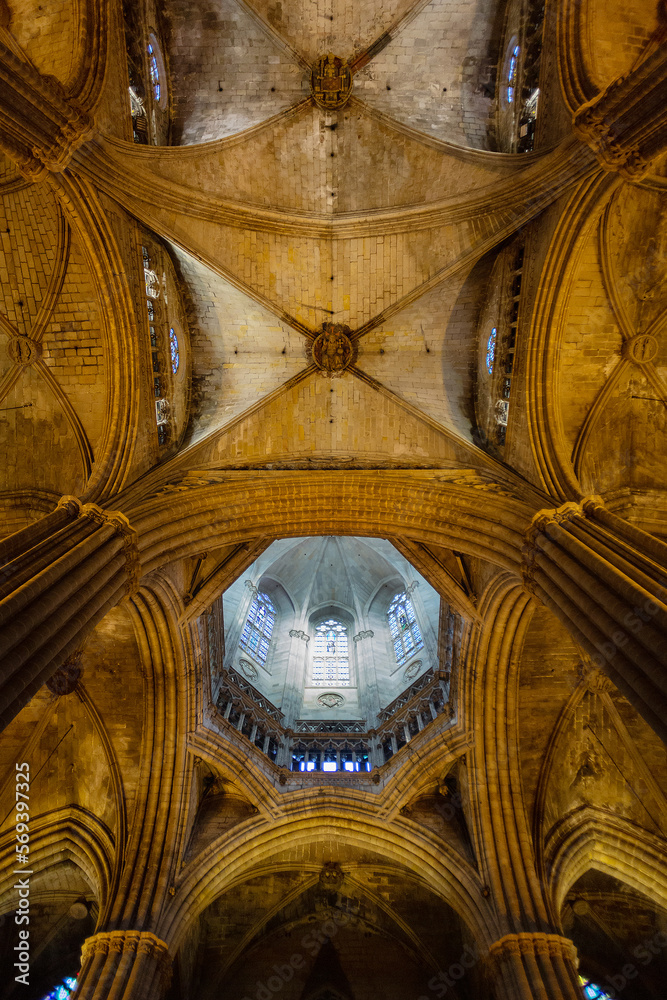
<point>534,966</point>
<point>59,577</point>
<point>124,965</point>
<point>606,580</point>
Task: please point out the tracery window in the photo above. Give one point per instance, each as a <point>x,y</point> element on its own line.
<point>258,628</point>
<point>512,73</point>
<point>592,991</point>
<point>63,991</point>
<point>154,70</point>
<point>491,350</point>
<point>405,633</point>
<point>331,663</point>
<point>156,331</point>
<point>173,350</point>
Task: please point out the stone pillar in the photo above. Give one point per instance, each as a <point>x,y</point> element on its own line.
<point>625,124</point>
<point>535,966</point>
<point>40,126</point>
<point>606,580</point>
<point>59,577</point>
<point>124,965</point>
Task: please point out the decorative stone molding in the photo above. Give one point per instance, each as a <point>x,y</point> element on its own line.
<point>412,669</point>
<point>121,943</point>
<point>249,669</point>
<point>252,588</point>
<point>24,351</point>
<point>596,681</point>
<point>332,350</point>
<point>624,124</point>
<point>641,349</point>
<point>330,81</point>
<point>515,945</point>
<point>66,677</point>
<point>124,942</point>
<point>122,527</point>
<point>331,700</point>
<point>40,125</point>
<point>411,587</point>
<point>539,526</point>
<point>298,634</point>
<point>331,875</point>
<point>368,634</point>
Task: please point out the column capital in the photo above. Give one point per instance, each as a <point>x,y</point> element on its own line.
<point>624,124</point>
<point>136,942</point>
<point>540,523</point>
<point>121,525</point>
<point>40,125</point>
<point>533,943</point>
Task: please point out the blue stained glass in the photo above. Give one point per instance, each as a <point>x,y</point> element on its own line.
<point>511,73</point>
<point>63,991</point>
<point>154,71</point>
<point>173,348</point>
<point>491,350</point>
<point>592,991</point>
<point>403,626</point>
<point>258,627</point>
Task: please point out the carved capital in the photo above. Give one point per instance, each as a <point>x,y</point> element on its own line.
<point>513,946</point>
<point>540,526</point>
<point>368,634</point>
<point>40,125</point>
<point>624,125</point>
<point>122,527</point>
<point>128,942</point>
<point>298,634</point>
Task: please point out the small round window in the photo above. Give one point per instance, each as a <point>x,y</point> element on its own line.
<point>156,71</point>
<point>173,350</point>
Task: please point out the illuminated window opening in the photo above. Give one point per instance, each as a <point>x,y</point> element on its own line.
<point>154,71</point>
<point>512,73</point>
<point>592,991</point>
<point>331,664</point>
<point>405,633</point>
<point>491,350</point>
<point>63,991</point>
<point>173,350</point>
<point>257,631</point>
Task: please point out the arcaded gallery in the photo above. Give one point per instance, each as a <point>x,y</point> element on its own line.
<point>333,499</point>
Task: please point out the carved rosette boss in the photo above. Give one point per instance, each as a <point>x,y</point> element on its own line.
<point>333,351</point>
<point>330,81</point>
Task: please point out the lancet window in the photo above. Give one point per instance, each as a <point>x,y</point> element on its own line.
<point>63,991</point>
<point>257,631</point>
<point>405,632</point>
<point>592,991</point>
<point>331,662</point>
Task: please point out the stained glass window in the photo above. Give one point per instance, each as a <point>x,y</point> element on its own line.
<point>592,991</point>
<point>405,634</point>
<point>63,991</point>
<point>257,630</point>
<point>173,348</point>
<point>491,350</point>
<point>154,71</point>
<point>331,664</point>
<point>511,73</point>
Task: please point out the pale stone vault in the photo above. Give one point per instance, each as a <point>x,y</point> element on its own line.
<point>334,302</point>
